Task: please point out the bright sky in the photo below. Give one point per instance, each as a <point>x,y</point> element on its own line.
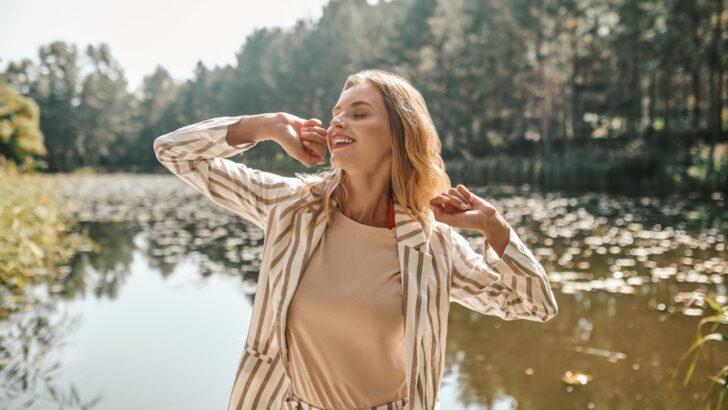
<point>144,33</point>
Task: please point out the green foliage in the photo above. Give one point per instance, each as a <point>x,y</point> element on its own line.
<point>20,135</point>
<point>700,174</point>
<point>632,166</point>
<point>720,317</point>
<point>37,237</point>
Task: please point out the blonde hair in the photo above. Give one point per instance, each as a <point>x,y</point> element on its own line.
<point>418,171</point>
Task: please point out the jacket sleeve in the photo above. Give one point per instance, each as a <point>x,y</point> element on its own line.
<point>514,286</point>
<point>196,153</point>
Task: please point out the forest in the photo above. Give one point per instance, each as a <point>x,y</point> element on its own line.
<point>583,94</point>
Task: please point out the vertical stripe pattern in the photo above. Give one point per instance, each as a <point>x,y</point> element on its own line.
<point>437,267</point>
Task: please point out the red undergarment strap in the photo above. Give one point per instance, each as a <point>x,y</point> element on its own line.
<point>390,220</point>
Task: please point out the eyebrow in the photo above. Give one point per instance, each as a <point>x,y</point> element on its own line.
<point>353,104</point>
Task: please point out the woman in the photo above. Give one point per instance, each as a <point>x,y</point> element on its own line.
<point>360,261</point>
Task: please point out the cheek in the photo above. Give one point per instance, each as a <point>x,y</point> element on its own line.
<point>376,136</point>
<point>382,144</point>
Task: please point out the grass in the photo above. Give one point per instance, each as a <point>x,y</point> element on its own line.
<point>713,335</point>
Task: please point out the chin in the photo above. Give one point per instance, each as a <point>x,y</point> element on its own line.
<point>338,163</point>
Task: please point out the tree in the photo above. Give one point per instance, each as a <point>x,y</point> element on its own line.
<point>106,110</point>
<point>20,135</point>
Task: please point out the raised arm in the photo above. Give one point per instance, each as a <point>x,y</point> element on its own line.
<point>513,286</point>
<point>196,153</point>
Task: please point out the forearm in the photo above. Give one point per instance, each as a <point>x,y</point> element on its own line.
<point>253,128</point>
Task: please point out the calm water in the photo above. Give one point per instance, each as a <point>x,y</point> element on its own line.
<point>158,318</point>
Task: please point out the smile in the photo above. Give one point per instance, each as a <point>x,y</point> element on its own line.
<point>341,141</point>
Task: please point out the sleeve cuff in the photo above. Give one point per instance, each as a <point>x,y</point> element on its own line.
<point>219,131</point>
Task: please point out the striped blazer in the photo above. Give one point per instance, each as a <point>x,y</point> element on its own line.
<point>438,266</point>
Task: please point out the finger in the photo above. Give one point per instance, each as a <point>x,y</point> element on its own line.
<point>436,200</point>
<point>457,204</point>
<point>314,136</point>
<point>312,122</point>
<point>312,160</point>
<point>457,199</point>
<point>321,132</point>
<point>440,214</point>
<point>459,195</point>
<point>314,154</point>
<point>465,191</point>
<point>315,147</point>
<point>447,205</point>
<point>306,156</point>
<point>316,128</point>
<point>442,199</point>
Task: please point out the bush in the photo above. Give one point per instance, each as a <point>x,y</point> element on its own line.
<point>37,237</point>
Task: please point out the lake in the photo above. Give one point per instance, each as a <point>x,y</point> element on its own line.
<point>157,319</point>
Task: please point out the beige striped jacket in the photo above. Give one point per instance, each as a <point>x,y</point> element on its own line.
<point>438,266</point>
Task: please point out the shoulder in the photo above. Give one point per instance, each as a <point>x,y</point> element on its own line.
<point>302,194</point>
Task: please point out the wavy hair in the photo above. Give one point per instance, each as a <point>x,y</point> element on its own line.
<point>418,171</point>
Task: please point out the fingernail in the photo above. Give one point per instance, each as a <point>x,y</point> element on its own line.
<point>306,143</point>
<point>463,206</point>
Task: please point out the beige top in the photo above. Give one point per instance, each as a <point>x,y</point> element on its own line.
<point>345,323</point>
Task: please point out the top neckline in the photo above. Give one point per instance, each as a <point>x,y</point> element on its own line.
<point>362,228</point>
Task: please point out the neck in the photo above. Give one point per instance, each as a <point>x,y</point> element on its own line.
<point>368,197</point>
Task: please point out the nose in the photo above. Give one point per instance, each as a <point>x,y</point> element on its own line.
<point>336,121</point>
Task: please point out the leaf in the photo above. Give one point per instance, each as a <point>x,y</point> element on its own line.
<point>720,399</point>
<point>701,340</point>
<point>713,304</point>
<point>37,252</point>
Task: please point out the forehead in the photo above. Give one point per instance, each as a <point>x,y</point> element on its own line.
<point>362,92</point>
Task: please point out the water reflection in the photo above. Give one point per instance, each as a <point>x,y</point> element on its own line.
<point>626,270</point>
<point>31,345</point>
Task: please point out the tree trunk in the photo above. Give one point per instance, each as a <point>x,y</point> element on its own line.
<point>635,109</point>
<point>668,98</point>
<point>716,89</point>
<point>695,79</point>
<point>652,95</point>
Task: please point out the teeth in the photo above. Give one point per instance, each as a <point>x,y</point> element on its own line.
<point>343,140</point>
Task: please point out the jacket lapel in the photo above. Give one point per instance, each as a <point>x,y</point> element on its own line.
<point>416,267</point>
<point>300,248</point>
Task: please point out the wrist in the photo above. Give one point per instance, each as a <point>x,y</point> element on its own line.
<point>252,128</point>
<point>496,229</point>
<point>275,125</point>
<point>498,240</point>
<point>494,225</point>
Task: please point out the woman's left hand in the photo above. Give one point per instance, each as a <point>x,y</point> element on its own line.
<point>477,215</point>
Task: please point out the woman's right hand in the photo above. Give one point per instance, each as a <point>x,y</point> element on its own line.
<point>303,140</point>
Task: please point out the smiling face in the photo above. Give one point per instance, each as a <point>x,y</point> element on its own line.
<point>360,115</point>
